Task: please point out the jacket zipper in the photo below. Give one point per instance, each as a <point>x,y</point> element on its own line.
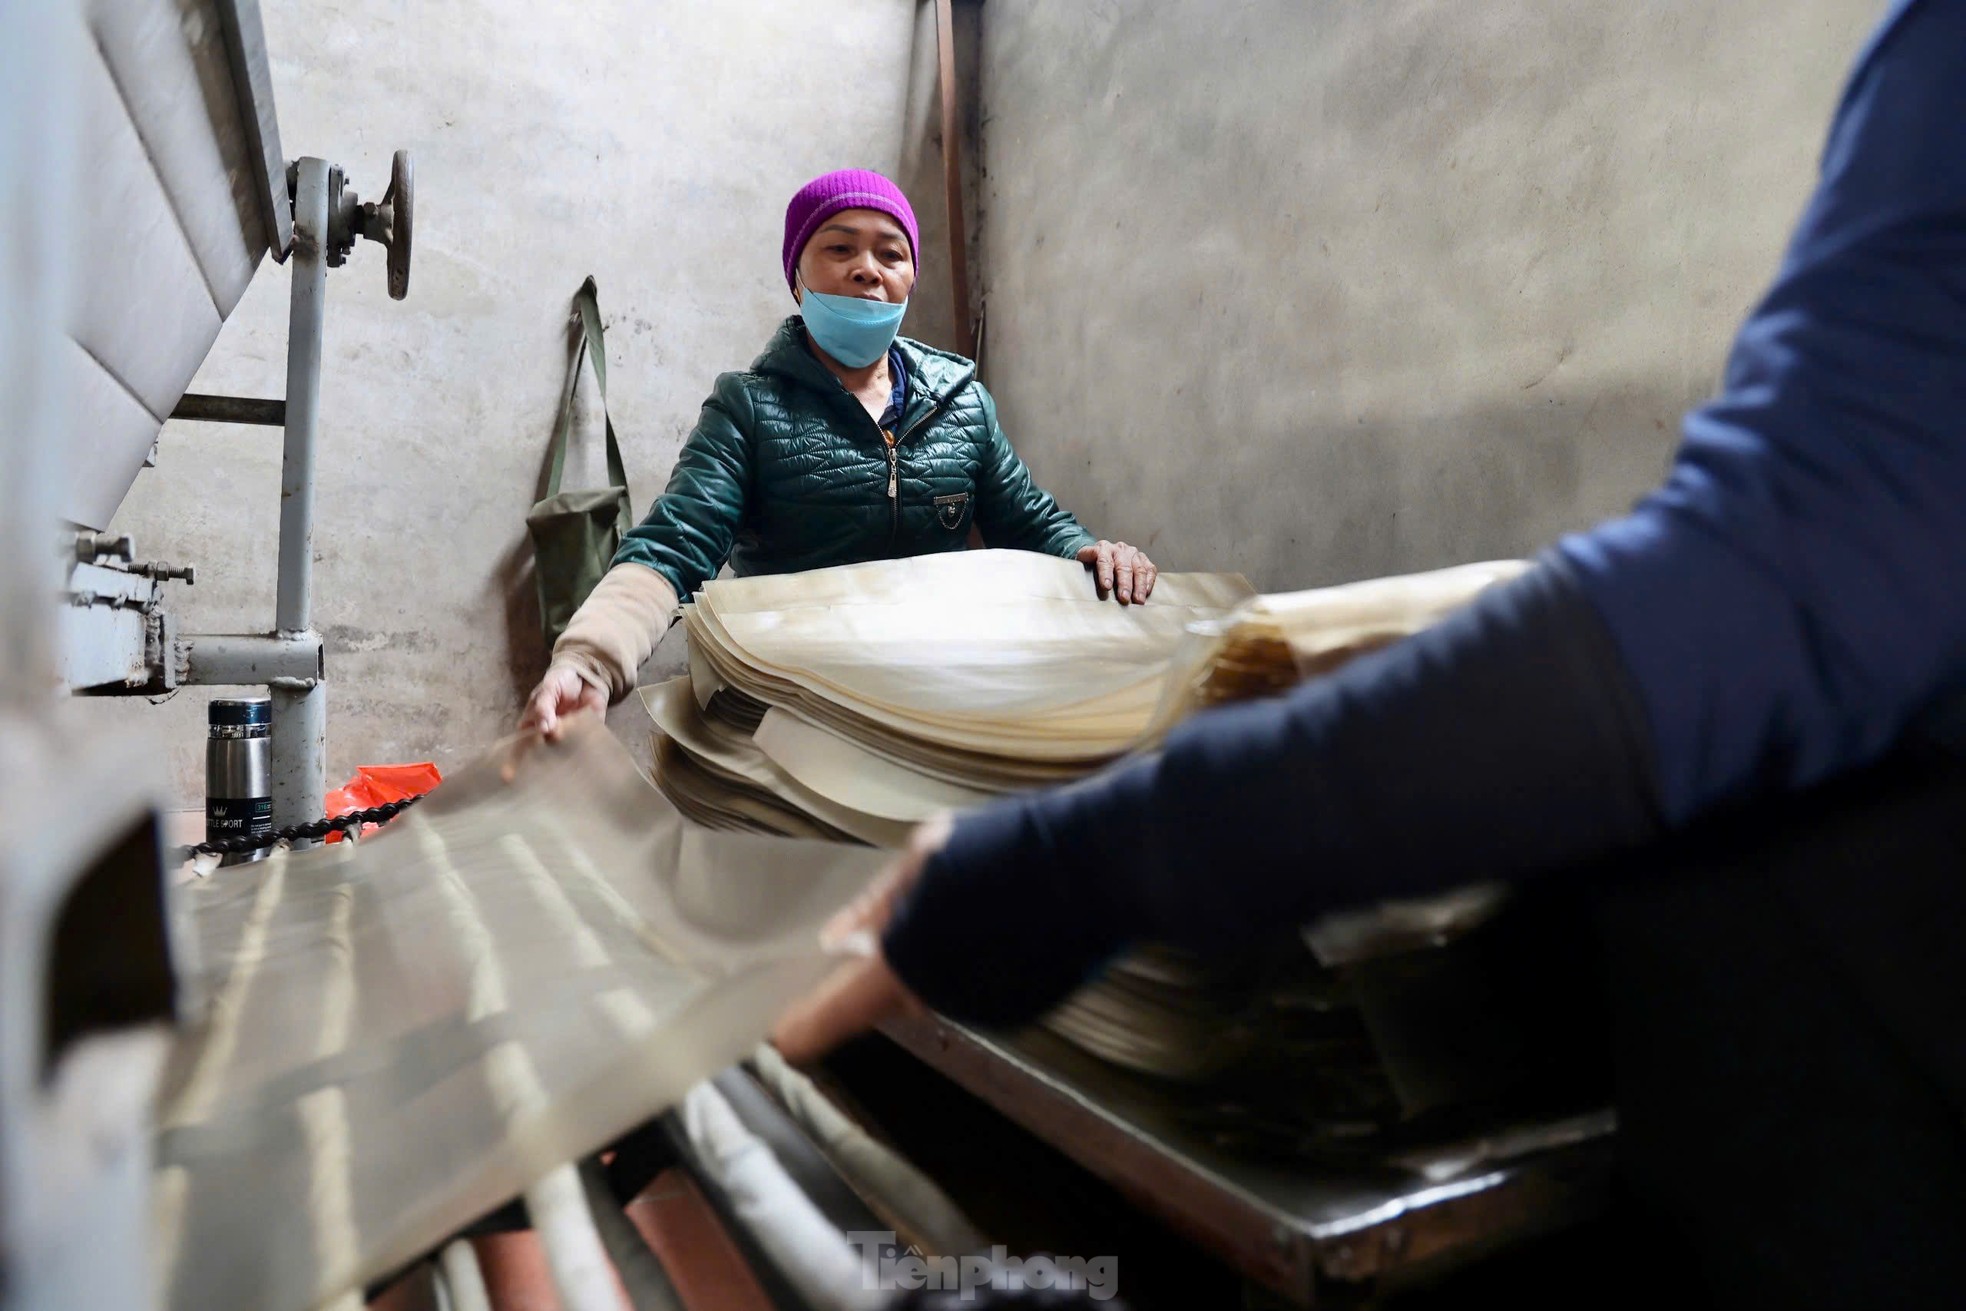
<point>893,490</point>
<point>893,444</point>
<point>894,461</point>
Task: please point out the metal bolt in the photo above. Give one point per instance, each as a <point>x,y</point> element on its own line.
<point>163,571</point>
<point>91,547</point>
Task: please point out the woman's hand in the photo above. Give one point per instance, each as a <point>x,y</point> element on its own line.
<point>1123,571</point>
<point>561,693</point>
<point>863,992</point>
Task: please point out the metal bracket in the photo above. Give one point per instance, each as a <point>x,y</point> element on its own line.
<point>251,659</point>
<point>390,222</point>
<point>341,216</point>
<point>91,547</point>
<point>231,409</point>
<point>163,571</point>
<point>160,652</point>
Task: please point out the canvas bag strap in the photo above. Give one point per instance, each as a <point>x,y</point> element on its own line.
<point>592,348</point>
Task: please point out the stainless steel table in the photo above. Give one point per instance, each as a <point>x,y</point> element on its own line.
<point>1304,1235</point>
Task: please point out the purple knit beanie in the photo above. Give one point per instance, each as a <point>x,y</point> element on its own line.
<point>828,194</point>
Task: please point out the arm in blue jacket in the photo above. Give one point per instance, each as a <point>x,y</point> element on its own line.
<point>1776,613</point>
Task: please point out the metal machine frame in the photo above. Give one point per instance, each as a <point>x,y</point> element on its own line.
<point>118,635</point>
<point>290,662</point>
<point>87,988</point>
<point>85,980</point>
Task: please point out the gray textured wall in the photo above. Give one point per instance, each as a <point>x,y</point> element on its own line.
<point>653,145</point>
<point>1322,291</point>
<point>1311,291</point>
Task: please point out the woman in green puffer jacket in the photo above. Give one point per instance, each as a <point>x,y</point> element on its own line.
<point>841,443</point>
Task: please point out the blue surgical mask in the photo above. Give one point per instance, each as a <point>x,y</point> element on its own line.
<point>854,331</point>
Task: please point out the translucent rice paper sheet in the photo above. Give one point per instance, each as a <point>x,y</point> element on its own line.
<point>851,775</point>
<point>401,1033</point>
<point>730,768</point>
<point>1271,643</point>
<point>1004,653</point>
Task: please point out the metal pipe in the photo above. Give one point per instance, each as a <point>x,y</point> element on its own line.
<point>648,1285</point>
<point>231,409</point>
<point>294,610</point>
<point>461,1278</point>
<point>813,1257</point>
<point>300,751</point>
<point>250,659</point>
<point>300,707</point>
<point>889,1182</point>
<point>575,1254</point>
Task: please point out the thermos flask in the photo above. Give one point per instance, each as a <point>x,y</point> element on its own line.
<point>238,790</point>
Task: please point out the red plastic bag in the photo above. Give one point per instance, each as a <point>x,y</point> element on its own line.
<point>378,785</point>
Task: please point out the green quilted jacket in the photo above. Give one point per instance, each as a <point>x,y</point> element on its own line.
<point>787,471</point>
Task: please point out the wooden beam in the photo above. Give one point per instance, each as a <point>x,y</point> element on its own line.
<point>952,176</point>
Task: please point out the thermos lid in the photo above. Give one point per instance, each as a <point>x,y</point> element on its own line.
<point>246,716</point>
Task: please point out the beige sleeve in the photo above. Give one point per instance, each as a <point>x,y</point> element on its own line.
<point>616,627</point>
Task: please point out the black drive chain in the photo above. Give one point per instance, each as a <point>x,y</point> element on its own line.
<point>310,832</point>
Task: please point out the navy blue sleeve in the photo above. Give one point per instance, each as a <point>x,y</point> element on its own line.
<point>1778,611</point>
<point>1503,739</point>
<point>1792,596</point>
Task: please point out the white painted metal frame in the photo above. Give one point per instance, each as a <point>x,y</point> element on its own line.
<point>171,226</point>
<point>300,705</point>
<point>74,1103</point>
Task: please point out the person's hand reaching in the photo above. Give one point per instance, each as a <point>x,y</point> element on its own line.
<point>864,991</point>
<point>562,692</point>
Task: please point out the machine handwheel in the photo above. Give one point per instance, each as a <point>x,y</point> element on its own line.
<point>399,203</point>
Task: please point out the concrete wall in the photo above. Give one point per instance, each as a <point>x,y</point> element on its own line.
<point>1312,291</point>
<point>653,145</point>
<point>1322,291</point>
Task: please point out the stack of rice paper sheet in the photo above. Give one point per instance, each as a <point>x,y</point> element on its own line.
<point>853,703</point>
<point>992,670</point>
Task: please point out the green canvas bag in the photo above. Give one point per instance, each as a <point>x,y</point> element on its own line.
<point>575,534</point>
